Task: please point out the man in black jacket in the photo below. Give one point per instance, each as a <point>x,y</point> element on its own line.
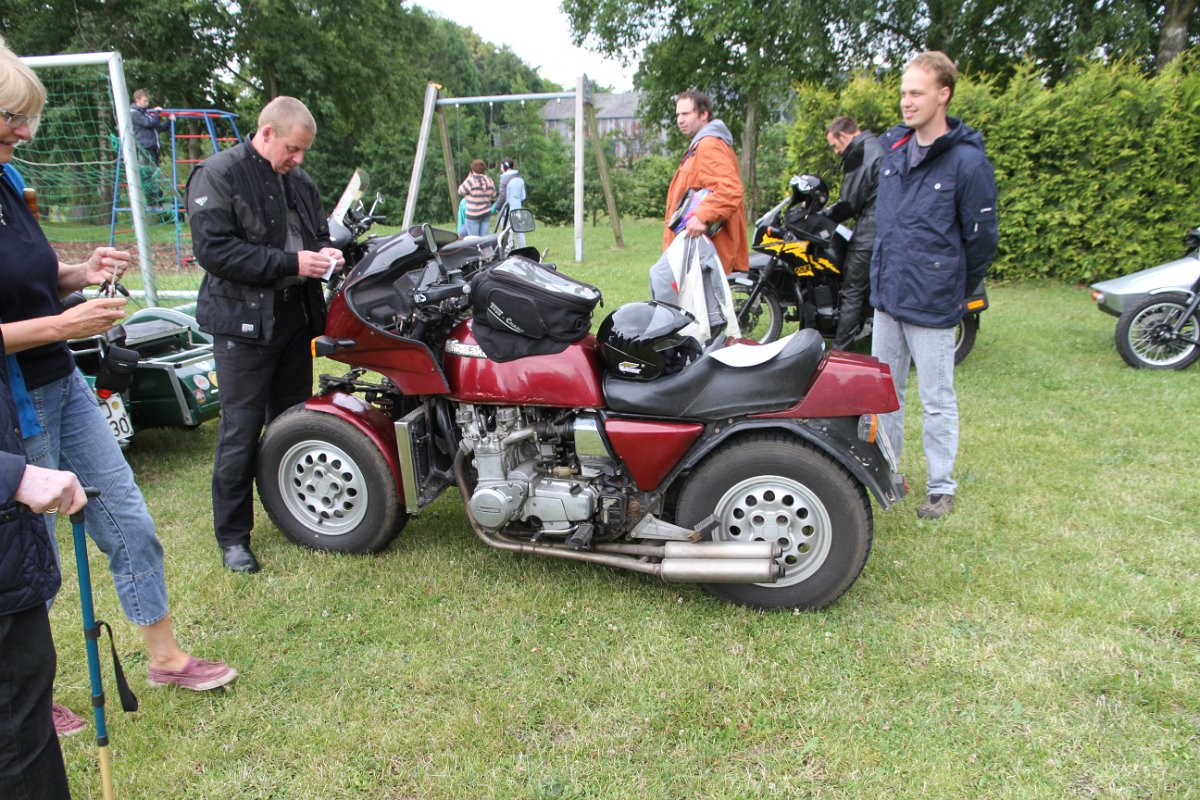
<point>860,154</point>
<point>31,764</point>
<point>260,234</point>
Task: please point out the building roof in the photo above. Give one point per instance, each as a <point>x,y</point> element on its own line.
<point>609,105</point>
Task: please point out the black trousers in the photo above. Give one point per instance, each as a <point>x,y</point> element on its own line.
<point>258,382</point>
<point>855,296</point>
<point>31,763</point>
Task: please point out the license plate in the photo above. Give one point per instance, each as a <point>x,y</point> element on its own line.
<point>118,417</point>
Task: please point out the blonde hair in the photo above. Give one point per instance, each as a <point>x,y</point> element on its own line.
<point>20,90</point>
<point>284,113</point>
<point>939,65</point>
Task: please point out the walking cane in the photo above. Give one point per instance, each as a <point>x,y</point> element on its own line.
<point>91,635</point>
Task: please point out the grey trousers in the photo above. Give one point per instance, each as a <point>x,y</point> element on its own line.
<point>900,345</point>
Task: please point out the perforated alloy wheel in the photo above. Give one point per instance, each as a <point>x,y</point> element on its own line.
<point>1145,336</point>
<point>326,485</point>
<point>772,487</point>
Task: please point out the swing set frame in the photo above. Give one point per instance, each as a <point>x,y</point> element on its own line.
<point>585,121</point>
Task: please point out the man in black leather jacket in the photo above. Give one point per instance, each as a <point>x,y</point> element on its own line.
<point>260,234</point>
<point>861,153</point>
<point>31,764</point>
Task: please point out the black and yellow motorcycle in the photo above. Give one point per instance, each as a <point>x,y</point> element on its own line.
<point>795,272</point>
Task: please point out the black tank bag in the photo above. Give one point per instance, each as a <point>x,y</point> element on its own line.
<point>523,308</point>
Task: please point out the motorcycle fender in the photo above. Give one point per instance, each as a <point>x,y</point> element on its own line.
<point>977,301</point>
<point>1173,290</point>
<point>741,279</point>
<point>373,423</point>
<point>837,437</point>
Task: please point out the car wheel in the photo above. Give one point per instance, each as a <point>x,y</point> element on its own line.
<point>772,487</point>
<point>325,485</point>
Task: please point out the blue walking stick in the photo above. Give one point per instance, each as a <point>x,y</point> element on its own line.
<point>91,635</point>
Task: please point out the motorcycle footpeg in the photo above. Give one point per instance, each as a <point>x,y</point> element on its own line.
<point>706,527</point>
<point>581,539</point>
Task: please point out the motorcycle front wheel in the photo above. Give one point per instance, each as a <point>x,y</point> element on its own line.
<point>1145,336</point>
<point>763,320</point>
<point>325,485</point>
<point>771,487</point>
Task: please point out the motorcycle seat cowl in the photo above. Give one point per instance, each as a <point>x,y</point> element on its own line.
<point>709,389</point>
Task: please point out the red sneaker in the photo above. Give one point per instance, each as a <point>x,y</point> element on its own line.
<point>198,675</point>
<point>66,721</point>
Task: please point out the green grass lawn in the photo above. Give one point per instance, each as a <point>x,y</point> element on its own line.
<point>1041,642</point>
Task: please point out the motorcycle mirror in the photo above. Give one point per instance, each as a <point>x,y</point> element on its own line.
<point>521,220</point>
<point>378,202</point>
<point>431,244</point>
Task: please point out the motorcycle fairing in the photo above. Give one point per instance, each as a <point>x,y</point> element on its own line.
<point>408,363</point>
<point>650,448</point>
<point>708,389</point>
<point>799,255</point>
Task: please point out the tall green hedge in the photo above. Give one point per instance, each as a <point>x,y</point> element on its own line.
<point>1097,177</point>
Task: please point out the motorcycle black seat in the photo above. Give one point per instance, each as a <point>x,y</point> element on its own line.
<point>709,389</point>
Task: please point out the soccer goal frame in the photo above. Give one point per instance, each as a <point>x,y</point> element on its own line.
<point>133,178</point>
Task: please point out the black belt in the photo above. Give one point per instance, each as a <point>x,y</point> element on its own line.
<point>289,294</point>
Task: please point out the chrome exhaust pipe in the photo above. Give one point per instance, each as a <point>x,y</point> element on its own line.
<point>726,569</point>
<point>719,570</point>
<point>735,550</point>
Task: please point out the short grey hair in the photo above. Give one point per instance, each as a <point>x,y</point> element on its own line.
<point>284,113</point>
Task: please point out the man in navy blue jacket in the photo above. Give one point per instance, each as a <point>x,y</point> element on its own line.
<point>31,764</point>
<point>936,235</point>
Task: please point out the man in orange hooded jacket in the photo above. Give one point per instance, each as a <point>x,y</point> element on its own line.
<point>709,163</point>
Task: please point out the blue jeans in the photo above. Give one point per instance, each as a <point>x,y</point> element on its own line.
<point>899,345</point>
<point>76,437</point>
<point>478,227</point>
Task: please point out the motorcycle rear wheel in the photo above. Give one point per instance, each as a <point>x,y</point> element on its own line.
<point>964,337</point>
<point>1144,337</point>
<point>771,487</point>
<point>326,486</point>
<point>764,320</point>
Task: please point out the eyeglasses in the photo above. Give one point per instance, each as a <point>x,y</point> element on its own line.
<point>13,119</point>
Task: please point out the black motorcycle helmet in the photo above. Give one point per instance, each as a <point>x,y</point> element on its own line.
<point>642,341</point>
<point>808,192</point>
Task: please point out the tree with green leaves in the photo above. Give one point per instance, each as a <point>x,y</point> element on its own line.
<point>994,36</point>
<point>744,54</point>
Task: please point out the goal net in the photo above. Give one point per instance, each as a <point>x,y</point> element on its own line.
<point>93,185</point>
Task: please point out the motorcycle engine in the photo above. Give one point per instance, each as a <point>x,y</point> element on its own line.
<point>541,476</point>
